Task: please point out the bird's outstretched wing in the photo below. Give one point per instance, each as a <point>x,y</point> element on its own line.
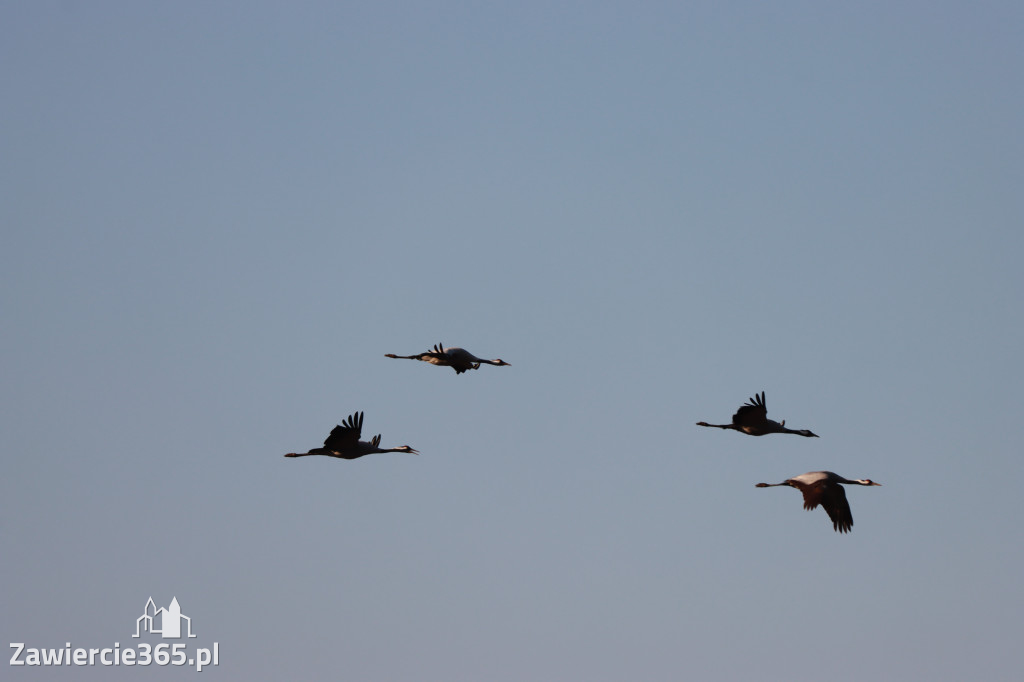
<point>812,495</point>
<point>346,434</point>
<point>832,498</point>
<point>752,413</point>
<point>437,352</point>
<point>432,356</point>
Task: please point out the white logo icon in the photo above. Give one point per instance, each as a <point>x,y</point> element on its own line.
<point>169,619</point>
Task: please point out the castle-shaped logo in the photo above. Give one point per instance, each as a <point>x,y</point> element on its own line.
<point>165,622</point>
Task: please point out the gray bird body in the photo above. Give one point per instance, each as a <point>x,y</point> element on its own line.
<point>458,359</point>
<point>752,419</point>
<point>344,442</point>
<point>825,488</point>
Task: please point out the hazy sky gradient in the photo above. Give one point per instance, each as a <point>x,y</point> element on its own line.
<point>219,217</point>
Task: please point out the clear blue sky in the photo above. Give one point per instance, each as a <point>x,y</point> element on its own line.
<point>218,217</point>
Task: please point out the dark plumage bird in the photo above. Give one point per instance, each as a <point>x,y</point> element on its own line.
<point>458,359</point>
<point>752,419</point>
<point>344,442</point>
<point>823,487</point>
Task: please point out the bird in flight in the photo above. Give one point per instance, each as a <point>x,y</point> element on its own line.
<point>344,442</point>
<point>752,419</point>
<point>823,487</point>
<point>458,359</point>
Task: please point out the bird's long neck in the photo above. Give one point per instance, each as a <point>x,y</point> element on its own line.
<point>375,450</point>
<point>800,432</point>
